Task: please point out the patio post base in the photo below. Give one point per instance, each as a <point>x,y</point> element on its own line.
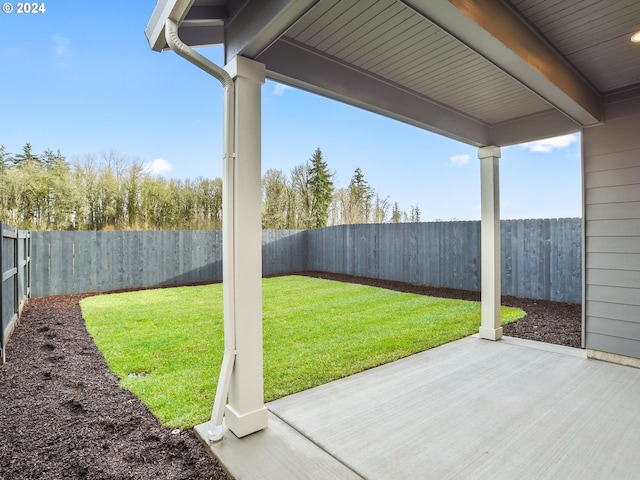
<point>490,333</point>
<point>245,424</point>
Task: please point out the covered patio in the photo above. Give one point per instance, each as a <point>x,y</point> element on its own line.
<point>469,409</point>
<point>489,73</point>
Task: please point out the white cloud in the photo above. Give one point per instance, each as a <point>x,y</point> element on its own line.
<point>158,166</point>
<point>460,159</point>
<point>279,89</point>
<point>61,45</point>
<point>550,144</point>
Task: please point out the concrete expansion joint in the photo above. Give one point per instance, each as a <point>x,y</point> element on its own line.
<point>314,442</point>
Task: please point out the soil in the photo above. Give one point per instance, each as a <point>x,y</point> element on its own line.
<point>63,415</point>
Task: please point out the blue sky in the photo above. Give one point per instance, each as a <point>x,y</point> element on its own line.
<point>81,78</point>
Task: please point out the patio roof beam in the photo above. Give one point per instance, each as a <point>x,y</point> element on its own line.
<point>296,65</point>
<point>258,24</point>
<point>497,33</point>
<point>550,123</point>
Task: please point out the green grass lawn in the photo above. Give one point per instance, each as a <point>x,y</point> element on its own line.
<point>315,331</point>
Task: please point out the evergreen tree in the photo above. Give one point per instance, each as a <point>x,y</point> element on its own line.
<point>25,157</point>
<point>4,158</point>
<point>321,190</point>
<point>360,196</point>
<point>396,214</point>
<point>50,159</point>
<point>415,213</point>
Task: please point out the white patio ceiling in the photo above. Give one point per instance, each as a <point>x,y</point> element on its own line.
<point>481,71</point>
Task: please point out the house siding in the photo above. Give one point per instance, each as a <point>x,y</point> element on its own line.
<point>611,156</point>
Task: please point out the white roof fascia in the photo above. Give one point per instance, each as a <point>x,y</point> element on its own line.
<point>175,10</point>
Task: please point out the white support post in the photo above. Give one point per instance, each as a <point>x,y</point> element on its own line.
<point>490,205</point>
<point>245,412</point>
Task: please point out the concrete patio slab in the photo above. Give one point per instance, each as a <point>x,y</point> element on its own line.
<point>276,453</point>
<point>469,409</point>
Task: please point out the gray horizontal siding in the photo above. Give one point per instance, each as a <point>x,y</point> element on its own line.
<point>612,344</point>
<point>613,311</point>
<point>614,278</point>
<point>612,237</point>
<point>613,211</point>
<point>614,228</point>
<point>613,178</point>
<point>613,245</point>
<point>617,194</point>
<point>615,261</point>
<point>614,295</point>
<point>614,160</point>
<point>615,328</point>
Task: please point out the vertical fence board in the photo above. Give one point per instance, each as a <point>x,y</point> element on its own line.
<point>312,245</point>
<point>55,279</point>
<point>219,255</point>
<point>37,277</point>
<point>575,241</point>
<point>4,305</point>
<point>555,265</point>
<point>82,262</point>
<point>506,259</point>
<point>196,255</point>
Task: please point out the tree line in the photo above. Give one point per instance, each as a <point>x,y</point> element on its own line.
<point>47,192</point>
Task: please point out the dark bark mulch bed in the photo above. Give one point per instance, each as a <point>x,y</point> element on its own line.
<point>63,415</point>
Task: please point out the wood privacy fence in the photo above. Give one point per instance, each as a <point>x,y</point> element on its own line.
<point>540,258</point>
<point>15,288</point>
<point>80,262</point>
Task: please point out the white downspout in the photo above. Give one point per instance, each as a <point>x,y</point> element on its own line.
<point>216,428</point>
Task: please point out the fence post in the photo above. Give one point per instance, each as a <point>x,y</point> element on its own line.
<point>28,255</point>
<point>2,353</point>
<point>16,279</point>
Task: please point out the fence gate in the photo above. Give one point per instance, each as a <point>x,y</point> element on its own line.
<point>15,289</point>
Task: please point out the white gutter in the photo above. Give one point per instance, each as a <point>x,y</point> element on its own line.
<point>216,428</point>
